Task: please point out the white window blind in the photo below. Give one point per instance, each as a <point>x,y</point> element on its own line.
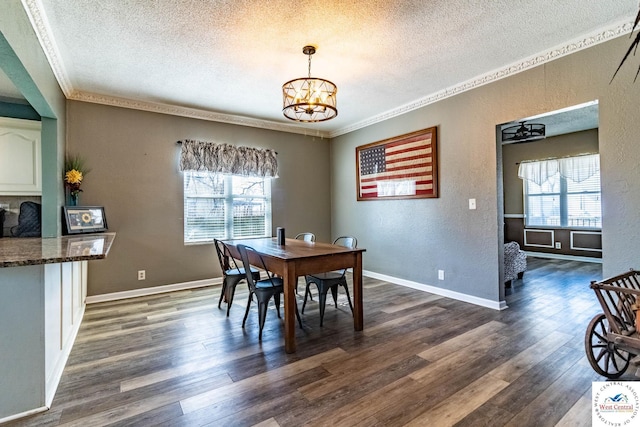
<point>562,192</point>
<point>225,206</point>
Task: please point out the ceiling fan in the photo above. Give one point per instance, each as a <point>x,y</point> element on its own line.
<point>524,132</point>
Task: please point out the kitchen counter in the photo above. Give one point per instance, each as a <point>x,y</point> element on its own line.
<point>43,290</point>
<point>16,252</point>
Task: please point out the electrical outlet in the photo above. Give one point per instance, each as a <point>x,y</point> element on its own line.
<point>558,245</point>
<point>142,275</point>
<point>472,204</point>
<point>440,274</point>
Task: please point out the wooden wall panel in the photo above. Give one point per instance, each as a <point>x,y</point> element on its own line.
<point>585,243</point>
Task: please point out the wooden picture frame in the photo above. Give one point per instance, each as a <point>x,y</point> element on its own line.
<point>83,219</point>
<point>402,167</point>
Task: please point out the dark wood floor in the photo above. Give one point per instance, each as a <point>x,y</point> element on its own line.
<point>422,360</point>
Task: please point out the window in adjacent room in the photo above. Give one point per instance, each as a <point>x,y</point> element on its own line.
<point>220,206</point>
<point>562,192</point>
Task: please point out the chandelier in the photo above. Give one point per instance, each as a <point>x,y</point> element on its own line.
<point>309,99</point>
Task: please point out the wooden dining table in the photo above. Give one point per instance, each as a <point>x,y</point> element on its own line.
<point>298,258</point>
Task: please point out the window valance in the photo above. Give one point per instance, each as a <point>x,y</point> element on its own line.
<point>228,159</point>
<point>577,168</point>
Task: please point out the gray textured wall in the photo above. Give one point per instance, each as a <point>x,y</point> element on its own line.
<point>134,160</point>
<point>412,239</point>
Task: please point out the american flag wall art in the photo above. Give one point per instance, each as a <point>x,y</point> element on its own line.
<point>402,167</point>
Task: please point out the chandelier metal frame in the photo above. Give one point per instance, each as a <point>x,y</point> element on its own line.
<point>309,99</point>
<point>524,132</point>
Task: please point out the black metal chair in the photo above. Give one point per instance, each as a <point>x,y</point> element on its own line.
<point>330,281</point>
<point>264,289</point>
<point>307,237</point>
<point>232,273</point>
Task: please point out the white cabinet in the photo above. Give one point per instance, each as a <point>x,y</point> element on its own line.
<point>20,157</point>
<point>41,309</point>
<point>65,294</point>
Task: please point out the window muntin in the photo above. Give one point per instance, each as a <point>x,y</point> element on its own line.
<point>224,207</point>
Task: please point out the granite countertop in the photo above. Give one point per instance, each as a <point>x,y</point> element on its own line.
<point>16,252</point>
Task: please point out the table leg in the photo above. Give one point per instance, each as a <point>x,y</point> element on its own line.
<point>358,312</point>
<point>290,278</point>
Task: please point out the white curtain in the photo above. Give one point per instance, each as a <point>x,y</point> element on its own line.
<point>577,168</point>
<point>228,159</point>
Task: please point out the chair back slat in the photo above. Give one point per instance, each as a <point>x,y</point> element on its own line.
<point>244,254</point>
<point>348,242</point>
<point>227,262</point>
<point>307,237</point>
<point>220,252</point>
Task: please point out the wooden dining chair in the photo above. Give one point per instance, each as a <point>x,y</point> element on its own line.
<point>232,274</point>
<point>263,289</point>
<point>330,281</point>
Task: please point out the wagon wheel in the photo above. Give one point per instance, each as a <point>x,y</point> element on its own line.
<point>604,357</point>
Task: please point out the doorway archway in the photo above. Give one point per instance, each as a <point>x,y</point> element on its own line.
<point>567,132</point>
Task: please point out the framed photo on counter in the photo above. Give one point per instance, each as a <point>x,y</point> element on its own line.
<point>83,219</point>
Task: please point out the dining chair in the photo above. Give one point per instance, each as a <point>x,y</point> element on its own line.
<point>232,274</point>
<point>263,289</point>
<point>307,237</point>
<point>330,281</point>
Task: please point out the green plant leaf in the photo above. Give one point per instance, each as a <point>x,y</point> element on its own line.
<point>74,161</point>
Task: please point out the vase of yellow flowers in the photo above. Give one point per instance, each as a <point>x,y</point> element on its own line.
<point>74,172</point>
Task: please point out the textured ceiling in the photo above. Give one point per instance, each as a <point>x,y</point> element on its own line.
<point>571,119</point>
<point>227,59</point>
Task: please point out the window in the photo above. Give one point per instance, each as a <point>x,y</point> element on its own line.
<point>562,194</point>
<point>225,206</point>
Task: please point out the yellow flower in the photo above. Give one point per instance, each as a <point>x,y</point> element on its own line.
<point>73,177</point>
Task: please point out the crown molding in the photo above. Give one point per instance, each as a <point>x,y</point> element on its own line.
<point>38,19</point>
<point>567,48</point>
<point>193,113</point>
<point>40,24</point>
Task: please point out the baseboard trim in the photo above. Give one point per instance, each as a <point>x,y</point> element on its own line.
<point>153,291</point>
<point>564,257</point>
<point>495,305</point>
<point>24,414</point>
